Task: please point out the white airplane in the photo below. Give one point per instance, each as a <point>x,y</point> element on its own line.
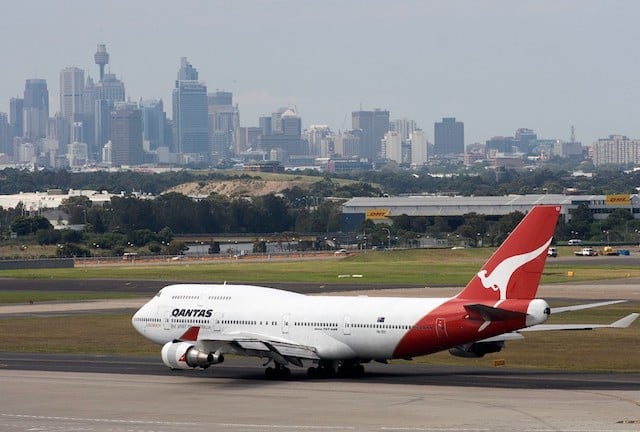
<point>198,324</point>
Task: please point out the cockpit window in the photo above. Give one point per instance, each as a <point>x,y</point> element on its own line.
<point>159,292</point>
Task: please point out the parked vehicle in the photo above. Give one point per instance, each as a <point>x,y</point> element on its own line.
<point>608,250</point>
<point>575,242</point>
<point>552,252</point>
<point>586,251</point>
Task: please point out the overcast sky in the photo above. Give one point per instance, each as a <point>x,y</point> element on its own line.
<point>496,65</point>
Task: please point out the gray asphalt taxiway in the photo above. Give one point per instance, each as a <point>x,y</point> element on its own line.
<point>237,398</point>
<point>56,392</point>
<point>44,392</point>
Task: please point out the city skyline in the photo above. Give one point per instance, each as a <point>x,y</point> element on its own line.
<point>495,65</point>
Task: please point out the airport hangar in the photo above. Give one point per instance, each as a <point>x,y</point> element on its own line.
<point>382,209</point>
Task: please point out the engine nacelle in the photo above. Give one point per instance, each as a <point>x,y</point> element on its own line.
<point>477,349</point>
<point>184,355</point>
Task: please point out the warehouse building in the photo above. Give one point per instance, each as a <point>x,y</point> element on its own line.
<point>382,209</point>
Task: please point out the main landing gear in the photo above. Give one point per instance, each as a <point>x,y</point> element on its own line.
<point>324,369</point>
<point>279,372</point>
<point>330,369</point>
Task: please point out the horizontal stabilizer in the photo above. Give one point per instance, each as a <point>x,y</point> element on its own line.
<point>621,323</point>
<point>482,312</point>
<point>585,306</point>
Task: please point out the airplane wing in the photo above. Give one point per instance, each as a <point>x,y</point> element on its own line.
<point>257,345</point>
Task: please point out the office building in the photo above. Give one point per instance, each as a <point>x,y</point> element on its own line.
<point>102,122</point>
<point>110,88</point>
<point>526,140</point>
<point>419,155</point>
<point>288,140</point>
<point>404,127</point>
<point>16,117</point>
<point>77,154</point>
<point>154,121</point>
<point>224,119</point>
<point>190,113</point>
<point>265,125</point>
<point>276,120</point>
<point>60,131</point>
<point>347,144</point>
<point>373,125</point>
<point>246,138</point>
<point>392,146</point>
<point>126,135</point>
<point>320,140</point>
<point>36,108</point>
<point>448,137</point>
<point>4,133</point>
<point>71,92</point>
<point>616,150</point>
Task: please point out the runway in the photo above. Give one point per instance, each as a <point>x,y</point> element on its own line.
<point>55,401</point>
<point>91,393</point>
<point>57,392</point>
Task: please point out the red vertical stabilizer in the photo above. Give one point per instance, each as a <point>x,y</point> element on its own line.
<point>515,268</point>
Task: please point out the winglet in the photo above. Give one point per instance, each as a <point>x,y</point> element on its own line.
<point>191,334</point>
<point>625,322</point>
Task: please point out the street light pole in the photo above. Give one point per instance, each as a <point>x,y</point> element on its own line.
<point>388,237</point>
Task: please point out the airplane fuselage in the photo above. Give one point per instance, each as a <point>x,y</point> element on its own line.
<point>355,327</point>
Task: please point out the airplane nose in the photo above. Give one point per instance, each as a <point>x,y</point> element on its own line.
<point>137,321</point>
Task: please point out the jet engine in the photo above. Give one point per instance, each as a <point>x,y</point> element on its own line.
<point>477,349</point>
<point>184,355</point>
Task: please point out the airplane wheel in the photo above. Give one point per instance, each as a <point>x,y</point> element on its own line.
<point>285,373</point>
<point>312,372</point>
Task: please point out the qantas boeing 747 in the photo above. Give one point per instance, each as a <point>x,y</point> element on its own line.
<point>198,324</point>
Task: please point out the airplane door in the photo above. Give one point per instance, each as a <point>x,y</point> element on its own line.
<point>201,297</point>
<point>285,323</point>
<point>347,325</point>
<point>217,318</point>
<point>441,328</point>
<point>166,319</point>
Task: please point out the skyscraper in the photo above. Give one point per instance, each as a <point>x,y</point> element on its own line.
<point>154,121</point>
<point>102,119</point>
<point>16,117</point>
<point>190,116</point>
<point>126,135</point>
<point>448,137</point>
<point>419,155</point>
<point>288,141</point>
<point>223,122</point>
<point>392,146</point>
<point>373,125</point>
<point>36,108</point>
<point>4,133</point>
<point>110,88</point>
<point>71,92</point>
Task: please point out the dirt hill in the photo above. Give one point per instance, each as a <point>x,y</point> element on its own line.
<point>240,187</point>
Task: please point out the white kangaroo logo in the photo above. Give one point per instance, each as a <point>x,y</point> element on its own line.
<point>499,278</point>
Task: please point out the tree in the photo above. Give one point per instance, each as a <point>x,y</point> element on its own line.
<point>25,225</point>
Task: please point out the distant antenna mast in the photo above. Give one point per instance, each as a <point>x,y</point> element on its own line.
<point>573,134</point>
